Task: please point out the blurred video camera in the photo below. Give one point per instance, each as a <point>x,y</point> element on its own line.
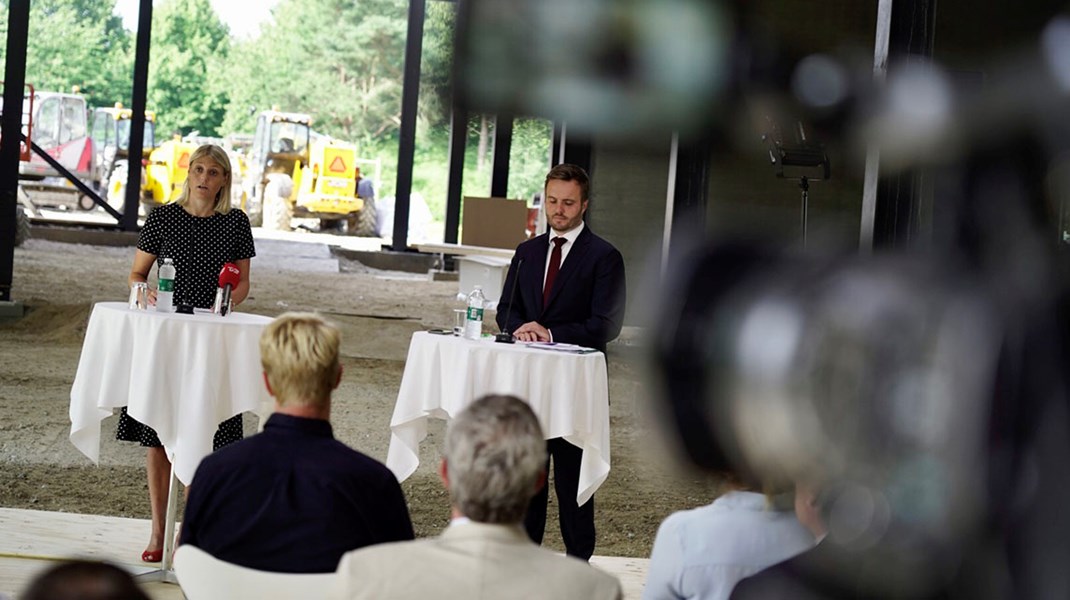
<point>925,391</point>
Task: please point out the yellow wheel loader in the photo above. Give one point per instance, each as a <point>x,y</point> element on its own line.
<point>111,154</point>
<point>293,172</point>
<point>166,172</point>
<point>163,167</point>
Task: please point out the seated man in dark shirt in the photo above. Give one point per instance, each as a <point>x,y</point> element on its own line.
<point>292,498</point>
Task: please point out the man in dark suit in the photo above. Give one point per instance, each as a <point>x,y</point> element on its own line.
<point>570,289</point>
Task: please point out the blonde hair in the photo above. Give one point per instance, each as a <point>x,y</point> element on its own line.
<point>299,355</point>
<point>220,157</point>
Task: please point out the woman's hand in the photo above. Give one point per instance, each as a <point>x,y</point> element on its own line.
<point>239,293</point>
<point>139,271</point>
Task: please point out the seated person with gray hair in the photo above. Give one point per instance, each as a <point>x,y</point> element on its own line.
<point>292,498</point>
<point>494,463</point>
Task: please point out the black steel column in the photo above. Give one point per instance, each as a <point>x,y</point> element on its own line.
<point>137,119</point>
<point>899,198</point>
<point>557,141</point>
<point>503,144</point>
<point>18,23</point>
<point>571,148</point>
<point>692,189</point>
<point>458,137</point>
<point>410,94</point>
<point>579,152</point>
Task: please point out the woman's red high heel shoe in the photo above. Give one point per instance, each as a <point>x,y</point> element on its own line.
<point>152,555</point>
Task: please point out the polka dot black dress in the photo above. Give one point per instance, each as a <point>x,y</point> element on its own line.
<point>198,246</point>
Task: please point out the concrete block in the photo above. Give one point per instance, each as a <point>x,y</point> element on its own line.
<point>11,310</point>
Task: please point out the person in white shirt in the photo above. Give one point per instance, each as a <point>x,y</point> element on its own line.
<point>701,554</point>
<point>493,464</point>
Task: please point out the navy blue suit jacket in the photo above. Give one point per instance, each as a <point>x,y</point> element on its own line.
<point>586,305</point>
<point>292,499</point>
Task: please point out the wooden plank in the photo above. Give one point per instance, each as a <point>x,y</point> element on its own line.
<point>630,571</point>
<point>33,540</point>
<point>463,250</point>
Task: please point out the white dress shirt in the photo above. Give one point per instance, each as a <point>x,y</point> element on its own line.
<point>570,241</point>
<point>702,553</point>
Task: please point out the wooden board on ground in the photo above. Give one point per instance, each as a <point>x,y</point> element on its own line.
<point>33,540</point>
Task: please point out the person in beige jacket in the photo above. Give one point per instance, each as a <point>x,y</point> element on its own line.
<point>494,463</point>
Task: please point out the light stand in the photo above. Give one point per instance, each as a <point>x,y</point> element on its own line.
<point>802,153</point>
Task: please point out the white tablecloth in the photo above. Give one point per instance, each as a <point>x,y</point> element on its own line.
<point>569,393</point>
<point>179,374</point>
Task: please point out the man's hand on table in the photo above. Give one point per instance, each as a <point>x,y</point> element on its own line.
<point>532,332</point>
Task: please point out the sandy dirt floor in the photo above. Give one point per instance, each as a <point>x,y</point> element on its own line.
<point>377,312</point>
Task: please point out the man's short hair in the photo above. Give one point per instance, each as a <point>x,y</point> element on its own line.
<point>570,172</point>
<point>299,354</point>
<point>84,580</point>
<point>495,454</point>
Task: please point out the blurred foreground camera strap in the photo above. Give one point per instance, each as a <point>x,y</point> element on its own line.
<point>555,266</point>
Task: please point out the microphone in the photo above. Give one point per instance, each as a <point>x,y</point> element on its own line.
<point>229,276</point>
<point>503,337</point>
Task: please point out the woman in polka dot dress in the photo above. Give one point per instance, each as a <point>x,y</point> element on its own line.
<point>200,233</point>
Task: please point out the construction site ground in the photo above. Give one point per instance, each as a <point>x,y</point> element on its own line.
<point>377,309</point>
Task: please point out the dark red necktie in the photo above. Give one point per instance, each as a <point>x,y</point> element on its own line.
<point>555,266</point>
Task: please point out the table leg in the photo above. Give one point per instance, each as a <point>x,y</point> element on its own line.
<point>169,523</point>
<point>166,573</point>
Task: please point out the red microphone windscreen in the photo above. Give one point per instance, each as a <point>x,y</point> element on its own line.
<point>229,274</point>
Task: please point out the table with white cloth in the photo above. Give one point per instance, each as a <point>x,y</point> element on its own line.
<point>180,374</point>
<point>569,392</point>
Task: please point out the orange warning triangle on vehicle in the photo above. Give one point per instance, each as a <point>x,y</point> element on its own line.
<point>183,161</point>
<point>337,165</point>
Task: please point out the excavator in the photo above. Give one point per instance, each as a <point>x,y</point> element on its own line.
<point>56,123</point>
<point>99,157</point>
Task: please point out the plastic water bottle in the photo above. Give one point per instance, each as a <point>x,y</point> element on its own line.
<point>473,319</point>
<point>165,291</point>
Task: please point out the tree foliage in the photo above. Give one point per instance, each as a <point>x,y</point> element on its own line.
<point>338,60</point>
<point>187,82</point>
<point>436,65</point>
<point>341,61</point>
<point>77,44</point>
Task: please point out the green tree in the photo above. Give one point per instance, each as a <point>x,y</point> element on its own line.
<point>530,157</point>
<point>436,68</point>
<point>338,60</point>
<point>187,79</point>
<point>77,44</point>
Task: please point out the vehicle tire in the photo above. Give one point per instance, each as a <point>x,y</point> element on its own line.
<point>256,218</point>
<point>116,189</point>
<point>86,203</point>
<point>366,225</point>
<point>22,226</point>
<point>277,209</point>
<point>241,200</point>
